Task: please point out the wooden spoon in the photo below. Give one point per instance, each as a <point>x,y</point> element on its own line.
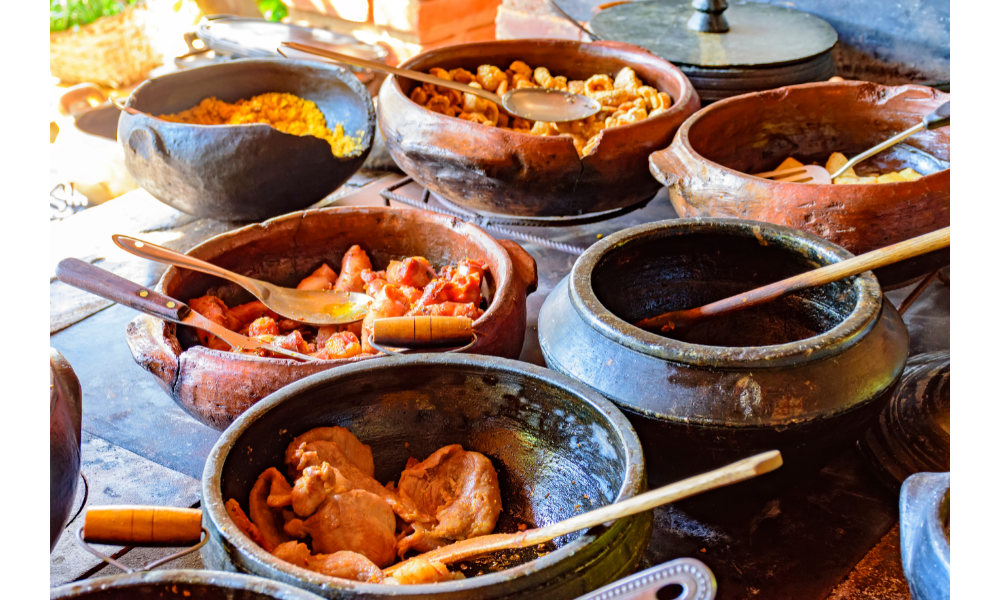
<point>738,471</point>
<point>822,276</point>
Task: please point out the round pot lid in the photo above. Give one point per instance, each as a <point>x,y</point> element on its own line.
<point>759,34</point>
<point>257,38</point>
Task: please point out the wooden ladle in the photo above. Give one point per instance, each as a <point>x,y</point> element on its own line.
<point>846,268</point>
<point>737,471</point>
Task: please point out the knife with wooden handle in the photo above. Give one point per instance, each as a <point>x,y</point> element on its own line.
<point>87,277</point>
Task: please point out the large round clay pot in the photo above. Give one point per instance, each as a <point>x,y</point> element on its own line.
<point>706,167</point>
<point>493,170</point>
<point>558,447</point>
<point>243,172</point>
<point>64,442</point>
<point>805,374</point>
<point>215,387</point>
<point>180,583</point>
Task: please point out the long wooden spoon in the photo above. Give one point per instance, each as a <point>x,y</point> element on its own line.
<point>822,276</point>
<point>738,471</point>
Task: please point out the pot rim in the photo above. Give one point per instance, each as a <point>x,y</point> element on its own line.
<point>683,141</point>
<point>213,502</point>
<point>236,581</point>
<point>845,334</point>
<point>505,280</point>
<point>293,65</point>
<point>677,106</point>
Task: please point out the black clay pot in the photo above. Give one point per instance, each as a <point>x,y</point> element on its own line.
<point>243,172</point>
<point>805,374</point>
<point>559,449</point>
<point>64,442</point>
<point>181,583</point>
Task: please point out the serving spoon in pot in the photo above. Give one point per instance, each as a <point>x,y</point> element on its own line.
<point>313,307</point>
<point>472,547</point>
<point>683,319</point>
<point>533,104</point>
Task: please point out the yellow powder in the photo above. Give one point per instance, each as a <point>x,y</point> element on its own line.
<point>284,112</point>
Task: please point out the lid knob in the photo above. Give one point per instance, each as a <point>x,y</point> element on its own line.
<point>708,17</point>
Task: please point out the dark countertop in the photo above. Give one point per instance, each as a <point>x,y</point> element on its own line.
<point>141,447</point>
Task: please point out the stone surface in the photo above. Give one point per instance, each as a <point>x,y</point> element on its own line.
<point>879,575</point>
<point>115,476</point>
<point>518,24</point>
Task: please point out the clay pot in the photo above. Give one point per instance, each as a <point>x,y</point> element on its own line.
<point>243,172</point>
<point>493,170</point>
<point>925,534</point>
<point>64,442</point>
<point>705,168</point>
<point>182,583</point>
<point>805,374</point>
<point>215,387</point>
<point>558,447</point>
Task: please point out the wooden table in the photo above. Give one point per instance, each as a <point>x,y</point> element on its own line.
<point>834,536</point>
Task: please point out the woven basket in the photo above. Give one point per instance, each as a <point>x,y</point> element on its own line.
<point>112,51</point>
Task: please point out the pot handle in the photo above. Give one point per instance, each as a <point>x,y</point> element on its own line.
<point>666,166</point>
<point>524,265</point>
<point>696,579</point>
<point>148,526</point>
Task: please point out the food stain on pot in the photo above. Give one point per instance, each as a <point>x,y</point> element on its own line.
<point>750,395</point>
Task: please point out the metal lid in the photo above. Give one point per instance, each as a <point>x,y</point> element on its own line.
<point>256,38</point>
<point>758,35</point>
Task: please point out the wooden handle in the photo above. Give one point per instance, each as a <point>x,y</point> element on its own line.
<point>735,472</point>
<point>822,276</point>
<point>87,277</point>
<point>142,526</point>
<point>422,332</point>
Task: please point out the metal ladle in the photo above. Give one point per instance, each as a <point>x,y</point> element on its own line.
<point>305,306</point>
<point>533,104</point>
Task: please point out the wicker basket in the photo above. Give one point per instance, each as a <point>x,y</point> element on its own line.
<point>112,51</point>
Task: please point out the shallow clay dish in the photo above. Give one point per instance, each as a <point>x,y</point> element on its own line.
<point>215,387</point>
<point>497,171</point>
<point>180,583</point>
<point>559,448</point>
<point>705,168</point>
<point>243,172</point>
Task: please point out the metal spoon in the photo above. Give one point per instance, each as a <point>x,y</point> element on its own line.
<point>305,306</point>
<point>533,104</point>
<point>941,117</point>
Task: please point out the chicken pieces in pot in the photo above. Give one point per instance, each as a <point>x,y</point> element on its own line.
<point>336,519</point>
<point>406,287</point>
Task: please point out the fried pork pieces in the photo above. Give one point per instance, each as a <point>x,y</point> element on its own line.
<point>355,525</point>
<point>407,287</point>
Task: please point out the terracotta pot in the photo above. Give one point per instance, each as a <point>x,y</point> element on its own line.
<point>805,374</point>
<point>245,172</point>
<point>559,448</point>
<point>215,387</point>
<point>493,170</point>
<point>64,442</point>
<point>705,168</point>
<point>182,583</point>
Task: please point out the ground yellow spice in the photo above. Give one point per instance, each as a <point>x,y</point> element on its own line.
<point>284,112</point>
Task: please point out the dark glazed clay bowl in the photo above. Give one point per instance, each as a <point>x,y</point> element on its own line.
<point>64,442</point>
<point>489,169</point>
<point>706,167</point>
<point>243,172</point>
<point>805,374</point>
<point>925,535</point>
<point>215,387</point>
<point>180,584</point>
<point>559,448</point>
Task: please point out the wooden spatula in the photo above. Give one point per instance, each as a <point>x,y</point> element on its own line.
<point>738,471</point>
<point>822,276</point>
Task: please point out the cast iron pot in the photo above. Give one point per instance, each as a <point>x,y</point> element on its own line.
<point>215,387</point>
<point>925,535</point>
<point>805,374</point>
<point>243,172</point>
<point>559,448</point>
<point>180,583</point>
<point>493,170</point>
<point>64,442</point>
<point>706,167</point>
